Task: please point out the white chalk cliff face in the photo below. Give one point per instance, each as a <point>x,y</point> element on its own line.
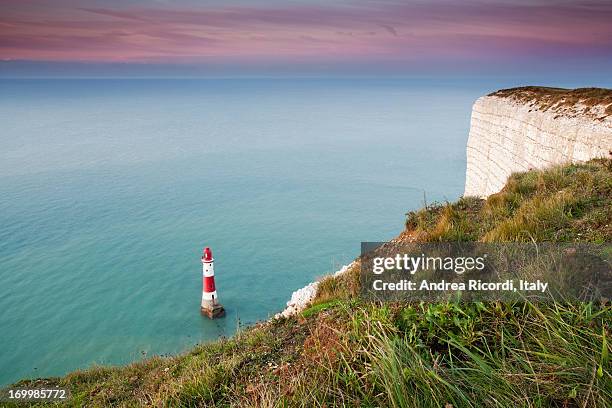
<point>507,136</point>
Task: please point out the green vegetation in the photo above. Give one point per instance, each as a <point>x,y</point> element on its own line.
<point>561,204</point>
<point>562,100</point>
<point>343,351</point>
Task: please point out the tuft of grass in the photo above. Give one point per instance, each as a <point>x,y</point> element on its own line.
<point>345,286</point>
<point>535,220</point>
<point>455,222</point>
<point>318,307</point>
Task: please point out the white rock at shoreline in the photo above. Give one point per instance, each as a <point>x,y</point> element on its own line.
<point>301,298</point>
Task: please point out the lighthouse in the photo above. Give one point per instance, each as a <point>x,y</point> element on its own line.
<point>210,302</point>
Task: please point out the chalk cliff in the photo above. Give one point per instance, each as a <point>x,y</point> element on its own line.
<point>532,127</point>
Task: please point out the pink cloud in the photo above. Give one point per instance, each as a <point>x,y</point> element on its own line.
<point>362,29</point>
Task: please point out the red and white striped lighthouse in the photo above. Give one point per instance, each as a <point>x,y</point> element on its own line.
<point>210,302</point>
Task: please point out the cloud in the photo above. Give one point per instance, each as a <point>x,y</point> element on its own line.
<point>390,29</point>
<point>118,14</point>
<point>330,30</point>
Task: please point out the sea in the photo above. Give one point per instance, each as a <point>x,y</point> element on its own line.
<point>110,188</point>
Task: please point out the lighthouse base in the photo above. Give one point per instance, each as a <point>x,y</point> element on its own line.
<point>213,312</point>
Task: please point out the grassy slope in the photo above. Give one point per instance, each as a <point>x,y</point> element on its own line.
<point>344,352</point>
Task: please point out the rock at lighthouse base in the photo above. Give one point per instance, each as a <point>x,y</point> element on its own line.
<point>213,312</point>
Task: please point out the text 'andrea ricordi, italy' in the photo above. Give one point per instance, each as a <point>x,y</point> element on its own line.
<point>476,271</point>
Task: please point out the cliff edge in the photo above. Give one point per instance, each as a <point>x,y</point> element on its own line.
<point>527,128</point>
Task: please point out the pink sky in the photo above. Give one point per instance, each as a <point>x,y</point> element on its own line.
<point>296,31</point>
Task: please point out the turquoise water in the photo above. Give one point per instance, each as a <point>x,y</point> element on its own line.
<point>109,189</point>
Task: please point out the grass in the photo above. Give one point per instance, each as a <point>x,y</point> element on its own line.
<point>344,351</point>
<point>470,355</point>
<point>562,204</point>
<point>560,99</point>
